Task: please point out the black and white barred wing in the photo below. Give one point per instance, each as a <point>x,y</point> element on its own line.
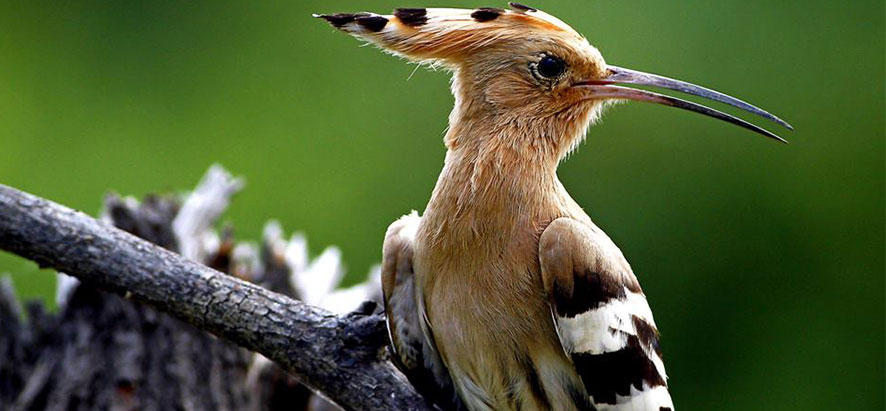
<point>603,319</point>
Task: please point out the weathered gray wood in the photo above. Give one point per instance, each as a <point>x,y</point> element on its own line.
<point>103,352</point>
<point>342,357</point>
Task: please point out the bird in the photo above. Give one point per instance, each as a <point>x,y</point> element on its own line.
<point>503,294</point>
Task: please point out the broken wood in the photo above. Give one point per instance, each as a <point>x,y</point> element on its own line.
<point>340,356</point>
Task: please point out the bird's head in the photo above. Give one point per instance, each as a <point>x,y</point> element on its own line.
<point>521,76</point>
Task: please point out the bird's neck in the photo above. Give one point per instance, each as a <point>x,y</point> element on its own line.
<point>492,185</point>
<point>501,165</point>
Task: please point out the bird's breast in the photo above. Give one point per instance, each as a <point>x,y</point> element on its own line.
<point>479,281</point>
<point>487,312</point>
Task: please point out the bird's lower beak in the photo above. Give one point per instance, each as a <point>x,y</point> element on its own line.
<point>607,89</point>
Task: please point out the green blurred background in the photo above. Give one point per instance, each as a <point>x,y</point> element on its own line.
<point>764,263</point>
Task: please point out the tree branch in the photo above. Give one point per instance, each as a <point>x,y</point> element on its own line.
<point>341,357</point>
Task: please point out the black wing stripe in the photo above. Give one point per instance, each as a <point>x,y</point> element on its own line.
<point>589,291</point>
<point>647,334</point>
<point>611,373</point>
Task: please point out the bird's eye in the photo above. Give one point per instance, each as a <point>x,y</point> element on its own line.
<point>550,67</point>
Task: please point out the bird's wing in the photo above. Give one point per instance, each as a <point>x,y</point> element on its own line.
<point>413,351</point>
<point>604,322</point>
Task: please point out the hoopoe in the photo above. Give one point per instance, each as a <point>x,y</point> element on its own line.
<point>504,295</point>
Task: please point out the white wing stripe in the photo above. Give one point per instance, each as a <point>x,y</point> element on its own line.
<point>606,329</point>
<point>654,398</point>
<point>595,331</point>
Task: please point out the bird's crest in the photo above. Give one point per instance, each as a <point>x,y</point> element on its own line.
<point>445,34</point>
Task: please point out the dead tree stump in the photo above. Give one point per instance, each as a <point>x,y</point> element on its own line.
<point>102,351</point>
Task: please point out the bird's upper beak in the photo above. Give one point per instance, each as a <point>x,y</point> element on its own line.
<point>607,88</point>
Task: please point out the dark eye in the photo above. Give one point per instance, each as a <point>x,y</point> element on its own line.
<point>551,67</point>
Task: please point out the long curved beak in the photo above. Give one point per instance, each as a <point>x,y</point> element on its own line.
<point>607,89</point>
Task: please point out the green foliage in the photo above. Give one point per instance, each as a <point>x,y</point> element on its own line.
<point>764,263</point>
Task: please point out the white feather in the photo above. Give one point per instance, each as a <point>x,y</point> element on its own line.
<point>606,328</point>
<point>650,399</point>
<point>592,331</point>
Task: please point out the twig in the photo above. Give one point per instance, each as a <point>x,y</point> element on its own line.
<point>341,357</point>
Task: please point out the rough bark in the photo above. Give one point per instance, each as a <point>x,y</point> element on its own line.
<point>340,356</point>
<point>100,351</point>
